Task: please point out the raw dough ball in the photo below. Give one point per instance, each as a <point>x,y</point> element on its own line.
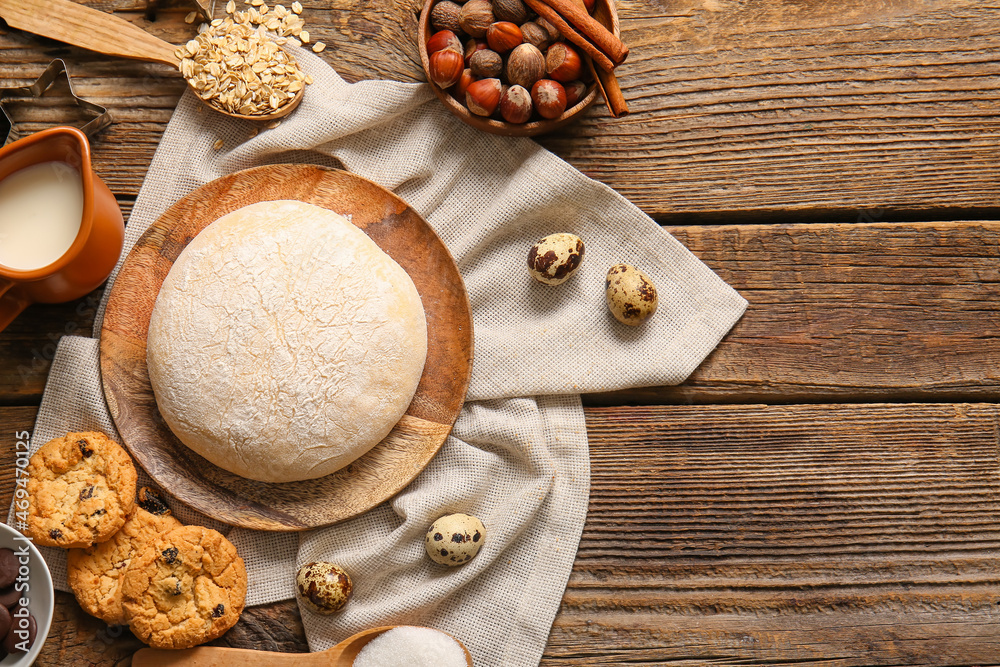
<point>555,258</point>
<point>324,587</point>
<point>284,343</point>
<point>455,539</point>
<point>630,293</point>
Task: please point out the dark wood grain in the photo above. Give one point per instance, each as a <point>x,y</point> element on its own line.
<point>852,109</point>
<point>876,312</point>
<point>840,535</point>
<point>832,535</point>
<point>372,478</point>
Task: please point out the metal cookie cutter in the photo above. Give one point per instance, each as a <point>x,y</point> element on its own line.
<point>55,69</point>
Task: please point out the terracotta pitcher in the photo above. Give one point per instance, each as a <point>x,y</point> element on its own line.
<point>94,251</point>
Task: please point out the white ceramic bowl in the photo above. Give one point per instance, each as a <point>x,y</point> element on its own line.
<point>41,599</point>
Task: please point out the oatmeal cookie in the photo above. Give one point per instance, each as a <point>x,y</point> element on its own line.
<point>187,588</point>
<point>81,488</point>
<point>95,574</point>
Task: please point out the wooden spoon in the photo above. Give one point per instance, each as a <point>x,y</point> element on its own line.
<point>98,31</point>
<point>341,655</point>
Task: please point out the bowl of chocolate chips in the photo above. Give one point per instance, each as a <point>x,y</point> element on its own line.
<point>26,598</point>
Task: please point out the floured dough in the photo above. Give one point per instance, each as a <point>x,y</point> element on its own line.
<point>284,343</point>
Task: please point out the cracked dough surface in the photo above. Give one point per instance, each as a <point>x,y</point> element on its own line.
<point>185,589</point>
<point>81,488</point>
<point>284,343</point>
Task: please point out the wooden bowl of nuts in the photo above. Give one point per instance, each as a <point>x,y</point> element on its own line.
<point>502,68</point>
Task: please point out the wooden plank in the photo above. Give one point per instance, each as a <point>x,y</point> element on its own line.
<point>835,535</point>
<point>871,312</point>
<point>828,535</point>
<point>739,110</point>
<point>28,345</point>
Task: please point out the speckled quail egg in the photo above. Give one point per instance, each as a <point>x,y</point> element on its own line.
<point>323,587</point>
<point>455,539</point>
<point>555,258</point>
<point>630,293</point>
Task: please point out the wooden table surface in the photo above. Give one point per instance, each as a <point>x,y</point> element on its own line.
<point>824,489</point>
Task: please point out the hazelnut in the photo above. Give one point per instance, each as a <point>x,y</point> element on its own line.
<point>503,36</point>
<point>575,91</point>
<point>563,63</point>
<point>630,294</point>
<point>444,39</point>
<point>444,16</point>
<point>475,17</point>
<point>515,105</point>
<point>446,67</point>
<point>535,35</point>
<point>482,97</point>
<point>458,90</point>
<point>553,32</point>
<point>472,46</point>
<point>525,66</point>
<point>510,10</point>
<point>486,64</point>
<point>549,97</point>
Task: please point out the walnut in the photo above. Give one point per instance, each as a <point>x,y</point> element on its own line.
<point>510,10</point>
<point>444,16</point>
<point>475,18</point>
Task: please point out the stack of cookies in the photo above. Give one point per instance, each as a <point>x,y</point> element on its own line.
<point>129,560</point>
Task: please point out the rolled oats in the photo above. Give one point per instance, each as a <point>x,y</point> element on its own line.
<point>235,65</point>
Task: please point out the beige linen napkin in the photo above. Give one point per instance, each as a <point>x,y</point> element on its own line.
<point>517,457</point>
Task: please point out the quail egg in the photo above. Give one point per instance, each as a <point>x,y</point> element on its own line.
<point>455,539</point>
<point>555,258</point>
<point>323,587</point>
<point>630,293</point>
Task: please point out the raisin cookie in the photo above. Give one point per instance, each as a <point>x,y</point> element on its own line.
<point>81,488</point>
<point>95,574</point>
<point>187,588</point>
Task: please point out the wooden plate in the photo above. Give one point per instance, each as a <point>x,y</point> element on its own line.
<point>371,479</point>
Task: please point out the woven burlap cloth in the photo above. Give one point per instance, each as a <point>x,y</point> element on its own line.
<point>517,457</point>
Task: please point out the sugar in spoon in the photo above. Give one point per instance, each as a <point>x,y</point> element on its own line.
<point>341,655</point>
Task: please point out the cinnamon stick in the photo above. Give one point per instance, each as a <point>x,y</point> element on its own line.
<point>552,16</point>
<point>591,28</point>
<point>607,81</point>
